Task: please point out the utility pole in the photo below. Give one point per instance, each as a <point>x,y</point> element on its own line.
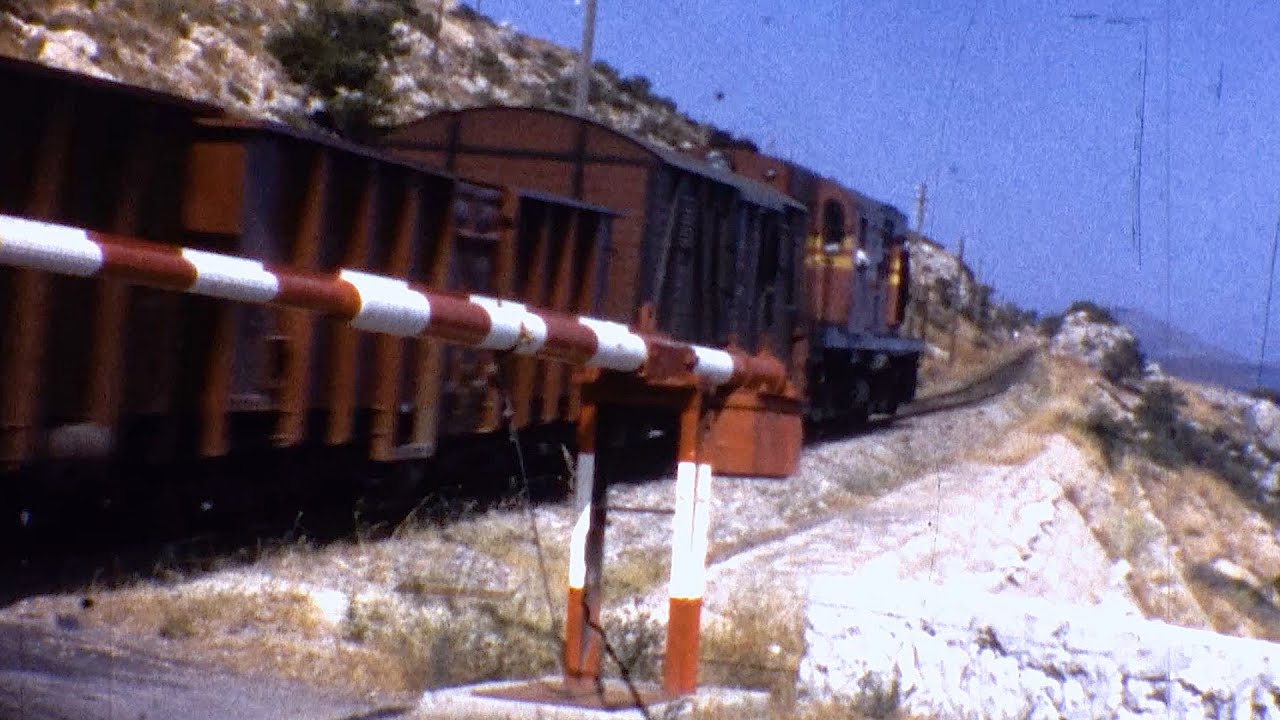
<point>921,191</point>
<point>584,60</point>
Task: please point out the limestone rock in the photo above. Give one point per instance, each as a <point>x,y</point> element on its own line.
<point>1107,347</point>
<point>938,652</point>
<point>1262,418</point>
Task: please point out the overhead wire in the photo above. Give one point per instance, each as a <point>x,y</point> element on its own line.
<point>941,155</point>
<point>1266,307</point>
<point>940,152</point>
<point>1168,241</point>
<point>1168,176</point>
<point>1139,142</point>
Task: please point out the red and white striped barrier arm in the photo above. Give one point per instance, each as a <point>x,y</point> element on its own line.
<point>367,301</point>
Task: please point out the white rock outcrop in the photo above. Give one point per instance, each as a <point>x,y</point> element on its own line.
<point>1262,418</point>
<point>1100,344</point>
<point>937,652</point>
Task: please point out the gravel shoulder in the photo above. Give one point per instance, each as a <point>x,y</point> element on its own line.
<point>51,673</point>
<point>356,627</point>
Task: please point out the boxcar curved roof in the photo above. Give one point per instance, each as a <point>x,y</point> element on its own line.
<point>755,192</point>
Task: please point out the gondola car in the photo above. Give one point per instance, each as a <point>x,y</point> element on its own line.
<point>97,371</point>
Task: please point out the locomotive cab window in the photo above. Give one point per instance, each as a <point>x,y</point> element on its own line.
<point>832,227</point>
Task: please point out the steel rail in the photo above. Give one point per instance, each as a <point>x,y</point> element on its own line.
<point>378,303</point>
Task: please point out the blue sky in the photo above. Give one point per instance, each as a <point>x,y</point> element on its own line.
<point>1021,118</point>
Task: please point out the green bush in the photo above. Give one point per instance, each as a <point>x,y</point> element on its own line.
<point>337,53</point>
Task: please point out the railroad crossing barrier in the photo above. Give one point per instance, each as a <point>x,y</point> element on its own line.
<point>382,304</point>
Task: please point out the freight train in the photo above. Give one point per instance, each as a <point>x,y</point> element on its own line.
<point>726,248</point>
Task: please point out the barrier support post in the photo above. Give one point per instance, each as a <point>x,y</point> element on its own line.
<point>689,543</point>
<point>582,646</point>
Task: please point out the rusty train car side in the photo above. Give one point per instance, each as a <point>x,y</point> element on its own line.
<point>95,369</point>
<point>700,253</point>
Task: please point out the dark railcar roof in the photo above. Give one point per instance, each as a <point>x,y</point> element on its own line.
<point>755,192</point>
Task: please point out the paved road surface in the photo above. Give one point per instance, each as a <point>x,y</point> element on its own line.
<point>49,673</point>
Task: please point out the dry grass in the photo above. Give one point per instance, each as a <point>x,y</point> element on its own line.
<point>278,632</point>
<point>1017,447</point>
<point>756,642</point>
<point>464,644</point>
<point>824,710</point>
<point>202,614</point>
<point>634,574</point>
<point>1065,412</point>
<point>429,611</point>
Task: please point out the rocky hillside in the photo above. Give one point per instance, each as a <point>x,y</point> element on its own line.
<point>218,52</point>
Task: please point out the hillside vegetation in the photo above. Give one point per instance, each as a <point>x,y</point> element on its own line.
<point>331,63</point>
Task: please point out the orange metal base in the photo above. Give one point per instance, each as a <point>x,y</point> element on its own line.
<point>680,669</point>
<point>756,435</point>
<point>609,695</point>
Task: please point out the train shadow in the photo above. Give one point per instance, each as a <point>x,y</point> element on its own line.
<point>68,527</point>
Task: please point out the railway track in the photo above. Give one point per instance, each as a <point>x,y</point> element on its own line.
<point>987,386</point>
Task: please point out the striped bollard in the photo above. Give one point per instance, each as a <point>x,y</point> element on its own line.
<point>586,557</point>
<point>689,543</point>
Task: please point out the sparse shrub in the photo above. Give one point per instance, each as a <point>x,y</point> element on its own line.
<point>1122,361</point>
<point>944,293</point>
<point>21,8</point>
<point>166,13</point>
<point>1174,442</point>
<point>468,13</point>
<point>1132,533</point>
<point>178,624</point>
<point>637,86</point>
<point>1271,395</point>
<point>1160,408</point>
<point>878,700</point>
<point>1159,417</point>
<point>1050,325</point>
<point>560,92</point>
<point>490,66</point>
<point>1008,316</point>
<point>1111,433</point>
<point>467,643</point>
<point>638,640</point>
<point>721,138</point>
<point>338,54</point>
<point>758,643</point>
<point>609,72</point>
<point>1093,311</point>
